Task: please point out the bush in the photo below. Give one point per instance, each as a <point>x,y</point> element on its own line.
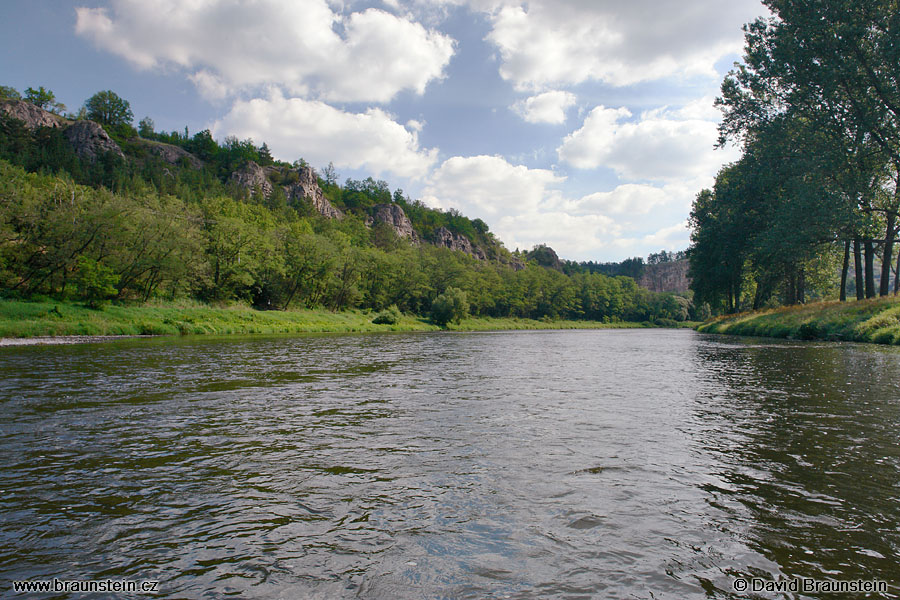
<point>389,316</point>
<point>96,283</point>
<point>452,305</point>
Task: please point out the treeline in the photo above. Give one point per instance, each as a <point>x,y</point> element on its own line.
<point>815,106</point>
<point>142,227</point>
<point>62,239</point>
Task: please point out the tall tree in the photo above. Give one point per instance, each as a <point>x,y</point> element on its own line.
<point>107,108</point>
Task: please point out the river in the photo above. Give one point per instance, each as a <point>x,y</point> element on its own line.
<point>548,464</point>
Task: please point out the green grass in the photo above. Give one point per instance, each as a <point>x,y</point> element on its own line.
<point>874,321</point>
<point>48,318</point>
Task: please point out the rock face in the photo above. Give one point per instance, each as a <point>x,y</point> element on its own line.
<point>666,277</point>
<point>393,215</point>
<point>90,140</point>
<point>445,238</point>
<point>253,177</point>
<point>307,187</point>
<point>32,116</point>
<point>171,154</point>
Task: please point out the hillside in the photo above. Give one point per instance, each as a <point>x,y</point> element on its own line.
<point>106,213</point>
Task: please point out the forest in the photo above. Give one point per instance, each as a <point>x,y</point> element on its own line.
<point>812,208</point>
<point>132,223</point>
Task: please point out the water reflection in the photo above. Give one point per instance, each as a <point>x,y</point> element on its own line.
<point>644,464</point>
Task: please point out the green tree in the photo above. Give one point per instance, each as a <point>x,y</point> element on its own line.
<point>107,108</point>
<point>43,98</point>
<point>9,93</point>
<point>452,305</point>
<point>146,128</point>
<point>95,282</point>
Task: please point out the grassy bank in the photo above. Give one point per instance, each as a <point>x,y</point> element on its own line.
<point>31,319</point>
<point>875,321</point>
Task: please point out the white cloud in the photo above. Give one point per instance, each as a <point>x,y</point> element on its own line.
<point>230,46</point>
<point>489,186</point>
<point>293,127</point>
<point>549,107</point>
<point>656,147</point>
<point>550,43</point>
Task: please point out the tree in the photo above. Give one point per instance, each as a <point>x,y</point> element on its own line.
<point>107,108</point>
<point>833,64</point>
<point>44,99</point>
<point>146,128</point>
<point>95,281</point>
<point>9,93</point>
<point>452,305</point>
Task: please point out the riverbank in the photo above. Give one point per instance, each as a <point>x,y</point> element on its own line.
<point>873,321</point>
<point>20,319</point>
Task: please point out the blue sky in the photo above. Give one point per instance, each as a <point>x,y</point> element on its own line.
<point>584,124</point>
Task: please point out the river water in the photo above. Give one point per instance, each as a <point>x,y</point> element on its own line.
<point>581,464</point>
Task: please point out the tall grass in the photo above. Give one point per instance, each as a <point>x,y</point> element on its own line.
<point>48,318</point>
<point>876,321</point>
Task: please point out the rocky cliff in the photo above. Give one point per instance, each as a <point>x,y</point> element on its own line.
<point>304,185</point>
<point>90,140</point>
<point>666,277</point>
<point>445,238</point>
<point>169,153</point>
<point>87,137</point>
<point>393,216</point>
<point>32,116</point>
<point>307,186</point>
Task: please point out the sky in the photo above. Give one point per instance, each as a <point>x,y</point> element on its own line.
<point>586,125</point>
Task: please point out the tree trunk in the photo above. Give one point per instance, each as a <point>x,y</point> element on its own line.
<point>897,275</point>
<point>887,256</point>
<point>869,248</point>
<point>844,269</point>
<point>801,286</point>
<point>857,268</point>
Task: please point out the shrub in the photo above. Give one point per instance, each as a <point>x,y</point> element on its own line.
<point>389,316</point>
<point>452,305</point>
<point>809,331</point>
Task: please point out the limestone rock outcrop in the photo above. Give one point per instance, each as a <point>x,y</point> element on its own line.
<point>304,185</point>
<point>90,140</point>
<point>32,116</point>
<point>307,186</point>
<point>253,177</point>
<point>445,238</point>
<point>666,277</point>
<point>393,216</point>
<point>171,154</point>
<point>87,137</point>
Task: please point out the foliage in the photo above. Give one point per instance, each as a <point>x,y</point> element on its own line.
<point>9,93</point>
<point>95,282</point>
<point>814,107</point>
<point>451,306</point>
<point>42,98</point>
<point>107,108</point>
<point>389,316</point>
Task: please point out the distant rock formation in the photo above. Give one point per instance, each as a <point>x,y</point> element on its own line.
<point>90,140</point>
<point>253,178</point>
<point>445,238</point>
<point>171,154</point>
<point>666,277</point>
<point>31,115</point>
<point>87,137</point>
<point>307,186</point>
<point>393,215</point>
